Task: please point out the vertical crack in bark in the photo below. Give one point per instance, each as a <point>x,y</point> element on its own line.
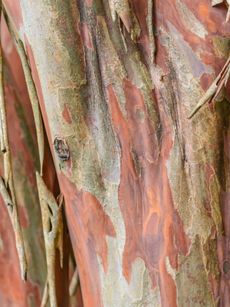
<point>7,185</point>
<point>53,236</point>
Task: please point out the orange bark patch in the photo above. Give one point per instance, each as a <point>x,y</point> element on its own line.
<point>89,225</point>
<point>23,217</point>
<point>13,291</point>
<point>155,230</point>
<point>203,9</point>
<point>212,18</point>
<point>67,115</point>
<point>205,81</point>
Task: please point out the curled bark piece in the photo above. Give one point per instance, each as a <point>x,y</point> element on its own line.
<point>73,283</point>
<point>8,183</point>
<point>128,18</point>
<point>215,88</point>
<point>30,86</point>
<point>216,2</point>
<point>53,232</point>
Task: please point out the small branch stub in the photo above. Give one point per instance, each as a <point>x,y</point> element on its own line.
<point>61,148</point>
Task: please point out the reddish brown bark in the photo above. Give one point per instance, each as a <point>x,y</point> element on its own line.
<point>145,188</point>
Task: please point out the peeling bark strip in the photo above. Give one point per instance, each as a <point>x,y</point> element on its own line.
<point>127,16</point>
<point>30,86</point>
<point>12,210</point>
<point>4,135</point>
<point>45,296</point>
<point>53,235</point>
<point>8,183</point>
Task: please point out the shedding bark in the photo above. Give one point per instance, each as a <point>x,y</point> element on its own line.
<point>8,182</point>
<point>30,86</point>
<point>12,209</point>
<point>53,236</point>
<point>55,233</point>
<point>146,190</point>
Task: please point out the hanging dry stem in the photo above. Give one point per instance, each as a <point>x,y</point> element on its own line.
<point>30,86</point>
<point>7,188</point>
<point>53,234</point>
<point>215,88</point>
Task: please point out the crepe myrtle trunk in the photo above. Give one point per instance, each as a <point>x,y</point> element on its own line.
<point>146,190</point>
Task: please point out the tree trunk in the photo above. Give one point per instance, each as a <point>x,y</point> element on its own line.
<point>146,189</point>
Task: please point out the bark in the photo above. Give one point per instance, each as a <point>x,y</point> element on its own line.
<point>146,189</point>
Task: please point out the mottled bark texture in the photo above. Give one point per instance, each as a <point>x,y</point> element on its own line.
<point>146,190</point>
